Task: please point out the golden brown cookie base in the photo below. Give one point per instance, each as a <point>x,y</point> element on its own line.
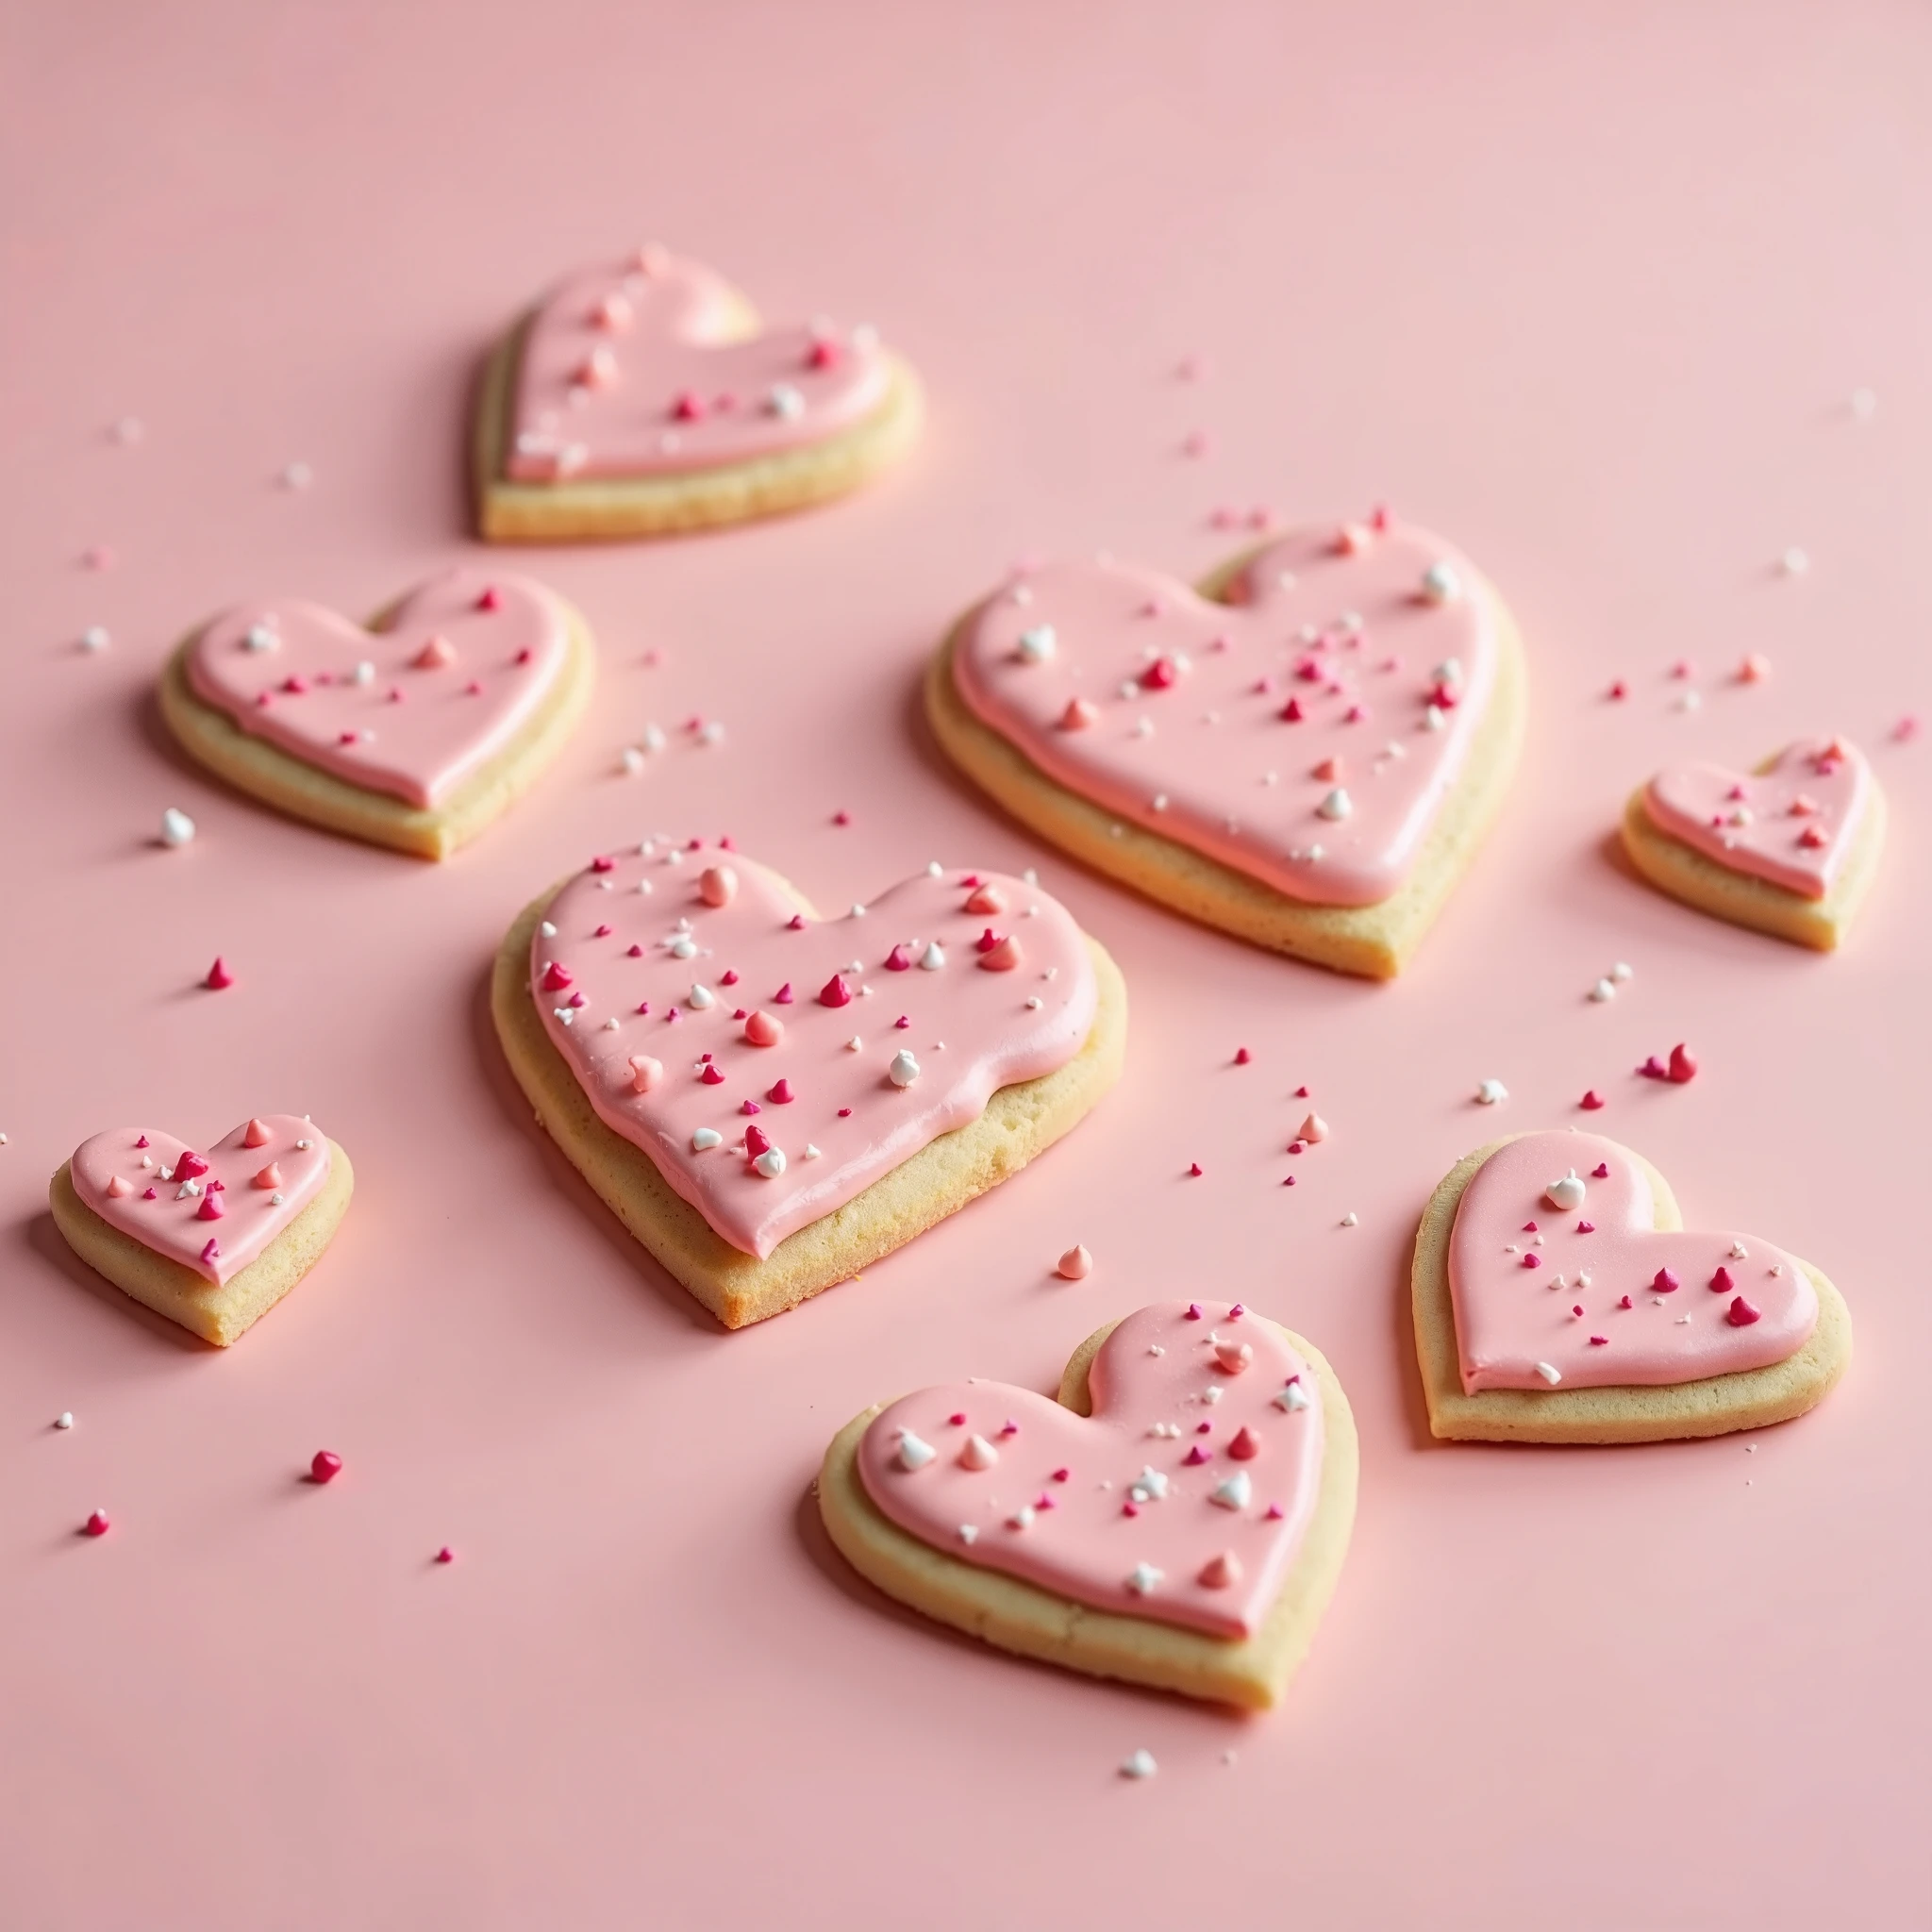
<point>1374,941</point>
<point>1251,1671</point>
<point>303,790</point>
<point>218,1313</point>
<point>1748,1399</point>
<point>610,507</point>
<point>1018,1123</point>
<point>1699,880</point>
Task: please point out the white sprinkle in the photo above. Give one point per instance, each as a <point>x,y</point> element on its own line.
<point>653,738</point>
<point>854,1044</point>
<point>1603,990</point>
<point>276,1199</point>
<point>1143,728</point>
<point>1351,1219</point>
<point>1434,718</point>
<point>547,930</point>
<point>1338,805</point>
<point>771,1164</point>
<point>64,1419</point>
<point>1490,1092</point>
<point>933,957</point>
<point>297,476</point>
<point>260,638</point>
<point>704,1139</point>
<point>1036,645</point>
<point>187,1191</point>
<point>913,1453</point>
<point>1141,1763</point>
<point>968,1533</point>
<point>611,1024</point>
<point>1021,1518</point>
<point>1160,801</point>
<point>96,637</point>
<point>364,673</point>
<point>934,869</point>
<point>1141,1580</point>
<point>1864,405</point>
<point>1550,1372</point>
<point>700,996</point>
<point>1292,1397</point>
<point>566,1015</point>
<point>177,827</point>
<point>1619,972</point>
<point>631,759</point>
<point>1441,585</point>
<point>1150,1486</point>
<point>904,1069</point>
<point>857,912</point>
<point>1794,562</point>
<point>1738,1252</point>
<point>1234,1493</point>
<point>131,428</point>
<point>1033,1003</point>
<point>643,885</point>
<point>711,732</point>
<point>785,403</point>
<point>1690,701</point>
<point>682,947</point>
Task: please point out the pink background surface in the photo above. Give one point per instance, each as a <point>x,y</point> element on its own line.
<point>1587,290</point>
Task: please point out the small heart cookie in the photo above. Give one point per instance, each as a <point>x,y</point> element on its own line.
<point>414,733</point>
<point>1178,1517</point>
<point>1305,752</point>
<point>1790,849</point>
<point>1558,1298</point>
<point>643,397</point>
<point>768,1102</point>
<point>212,1240</point>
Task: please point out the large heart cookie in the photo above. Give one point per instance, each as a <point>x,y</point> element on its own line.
<point>1790,849</point>
<point>1178,1518</point>
<point>1307,754</point>
<point>1558,1298</point>
<point>414,732</point>
<point>643,395</point>
<point>768,1102</point>
<point>212,1238</point>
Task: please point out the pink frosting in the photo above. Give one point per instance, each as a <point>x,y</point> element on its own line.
<point>173,1223</point>
<point>1088,1536</point>
<point>1513,1314</point>
<point>1348,634</point>
<point>615,956</point>
<point>627,371</point>
<point>422,718</point>
<point>1791,825</point>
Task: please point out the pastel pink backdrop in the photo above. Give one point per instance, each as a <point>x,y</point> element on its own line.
<point>1587,289</point>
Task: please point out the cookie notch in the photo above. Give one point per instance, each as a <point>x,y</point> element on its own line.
<point>219,1312</point>
<point>1760,904</point>
<point>305,792</point>
<point>1714,1405</point>
<point>1370,941</point>
<point>1018,1123</point>
<point>611,507</point>
<point>1252,1673</point>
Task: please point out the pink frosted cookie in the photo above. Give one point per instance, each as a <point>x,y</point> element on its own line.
<point>1559,1298</point>
<point>415,732</point>
<point>1790,849</point>
<point>1306,752</point>
<point>769,1101</point>
<point>643,395</point>
<point>1177,1517</point>
<point>212,1238</point>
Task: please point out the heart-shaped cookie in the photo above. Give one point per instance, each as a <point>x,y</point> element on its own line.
<point>1178,1517</point>
<point>768,1102</point>
<point>212,1238</point>
<point>1558,1298</point>
<point>414,732</point>
<point>641,395</point>
<point>1790,849</point>
<point>1306,753</point>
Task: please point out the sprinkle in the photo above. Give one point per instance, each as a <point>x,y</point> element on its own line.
<point>1603,990</point>
<point>1721,1283</point>
<point>1233,1493</point>
<point>1141,1580</point>
<point>325,1466</point>
<point>700,997</point>
<point>1682,1067</point>
<point>1001,957</point>
<point>1794,562</point>
<point>98,1525</point>
<point>717,885</point>
<point>1664,1282</point>
<point>1350,1219</point>
<point>913,1453</point>
<point>1741,1314</point>
<point>1550,1372</point>
<point>771,1164</point>
<point>1078,715</point>
<point>445,1555</point>
<point>704,1139</point>
<point>1075,1264</point>
<point>1492,1093</point>
<point>177,828</point>
<point>1036,645</point>
<point>1220,1572</point>
<point>1441,585</point>
<point>933,957</point>
<point>1194,1172</point>
<point>904,1069</point>
<point>835,992</point>
<point>1336,804</point>
<point>219,976</point>
<point>978,1453</point>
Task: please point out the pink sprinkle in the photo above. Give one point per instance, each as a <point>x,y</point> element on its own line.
<point>1577,1311</point>
<point>491,598</point>
<point>1160,674</point>
<point>1654,1068</point>
<point>1586,1227</point>
<point>781,1096</point>
<point>750,1107</point>
<point>524,656</point>
<point>1532,1260</point>
<point>1721,1283</point>
<point>1301,1093</point>
<point>1741,1314</point>
<point>1195,443</point>
<point>835,992</point>
<point>644,1008</point>
<point>473,689</point>
<point>898,960</point>
<point>1291,711</point>
<point>190,1166</point>
<point>1128,1509</point>
<point>97,1524</point>
<point>689,408</point>
<point>901,1023</point>
<point>219,976</point>
<point>1060,1475</point>
<point>1289,1182</point>
<point>1625,1303</point>
<point>728,978</point>
<point>97,557</point>
<point>211,1251</point>
<point>1665,1282</point>
<point>1195,1169</point>
<point>711,1076</point>
<point>635,952</point>
<point>348,736</point>
<point>603,932</point>
<point>325,1466</point>
<point>1590,1101</point>
<point>1683,668</point>
<point>142,1141</point>
<point>445,1555</point>
<point>1601,1172</point>
<point>1599,1342</point>
<point>796,923</point>
<point>1196,1455</point>
<point>844,1113</point>
<point>1241,1056</point>
<point>210,1209</point>
<point>823,354</point>
<point>1273,1513</point>
<point>1009,1428</point>
<point>783,996</point>
<point>1529,1227</point>
<point>671,1014</point>
<point>1203,1428</point>
<point>295,686</point>
<point>841,818</point>
<point>1043,1501</point>
<point>576,999</point>
<point>756,1142</point>
<point>601,864</point>
<point>1236,1311</point>
<point>556,977</point>
<point>148,1194</point>
<point>1619,690</point>
<point>958,1418</point>
<point>1906,729</point>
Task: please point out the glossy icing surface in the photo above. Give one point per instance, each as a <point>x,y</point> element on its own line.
<point>1517,1289</point>
<point>410,709</point>
<point>1791,825</point>
<point>1170,1422</point>
<point>641,967</point>
<point>1305,733</point>
<point>175,1222</point>
<point>630,368</point>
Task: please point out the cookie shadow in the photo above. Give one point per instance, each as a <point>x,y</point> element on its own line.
<point>563,1176</point>
<point>39,1232</point>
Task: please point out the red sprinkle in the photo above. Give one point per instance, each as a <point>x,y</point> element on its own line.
<point>1590,1101</point>
<point>1599,1342</point>
<point>1245,1446</point>
<point>841,818</point>
<point>711,1076</point>
<point>1196,1455</point>
<point>1665,1282</point>
<point>986,941</point>
<point>1529,1227</point>
<point>898,960</point>
<point>1532,1260</point>
<point>1682,1067</point>
<point>755,1142</point>
<point>1241,1056</point>
<point>781,1096</point>
<point>1721,1283</point>
<point>958,1418</point>
<point>728,978</point>
<point>445,1555</point>
<point>1601,1172</point>
<point>1741,1314</point>
<point>1654,1068</point>
<point>795,923</point>
<point>1195,1169</point>
<point>1236,1311</point>
<point>602,864</point>
<point>191,1167</point>
<point>783,996</point>
<point>1193,1313</point>
<point>97,1524</point>
<point>1160,674</point>
<point>1060,1475</point>
<point>1625,1303</point>
<point>491,598</point>
<point>844,1113</point>
<point>325,1466</point>
<point>835,992</point>
<point>1586,1227</point>
<point>1619,690</point>
<point>1289,1182</point>
<point>218,975</point>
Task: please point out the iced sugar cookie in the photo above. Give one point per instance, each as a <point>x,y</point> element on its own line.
<point>768,1101</point>
<point>1559,1298</point>
<point>1790,849</point>
<point>414,733</point>
<point>1178,1517</point>
<point>643,395</point>
<point>1306,752</point>
<point>210,1238</point>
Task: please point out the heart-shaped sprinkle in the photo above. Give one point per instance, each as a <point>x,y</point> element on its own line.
<point>1258,788</point>
<point>175,1224</point>
<point>516,650</point>
<point>1512,1333</point>
<point>853,1112</point>
<point>1792,824</point>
